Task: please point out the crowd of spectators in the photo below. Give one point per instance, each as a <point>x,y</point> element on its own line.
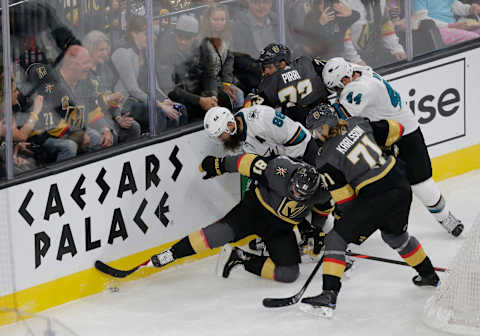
<point>82,71</point>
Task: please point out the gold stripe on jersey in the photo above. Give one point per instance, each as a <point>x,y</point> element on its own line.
<point>343,194</point>
<point>415,257</point>
<point>376,178</point>
<point>60,130</point>
<point>269,208</point>
<point>387,28</point>
<point>322,212</point>
<point>348,34</point>
<point>333,267</point>
<point>95,115</point>
<point>244,164</point>
<point>395,131</point>
<point>198,241</point>
<point>268,269</point>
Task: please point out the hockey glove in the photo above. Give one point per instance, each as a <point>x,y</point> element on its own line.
<point>213,166</point>
<point>312,236</point>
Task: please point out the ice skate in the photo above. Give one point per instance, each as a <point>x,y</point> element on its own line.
<point>321,305</point>
<point>431,280</point>
<point>230,257</point>
<point>162,259</point>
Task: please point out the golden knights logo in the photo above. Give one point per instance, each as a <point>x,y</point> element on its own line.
<point>361,239</point>
<point>276,49</point>
<point>41,72</point>
<point>49,88</point>
<point>290,209</point>
<point>281,171</point>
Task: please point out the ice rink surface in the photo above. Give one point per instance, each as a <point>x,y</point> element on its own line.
<point>377,299</point>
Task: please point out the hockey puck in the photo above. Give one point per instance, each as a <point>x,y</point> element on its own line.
<point>114,289</point>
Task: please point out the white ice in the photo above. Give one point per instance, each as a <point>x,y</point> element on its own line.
<point>377,299</point>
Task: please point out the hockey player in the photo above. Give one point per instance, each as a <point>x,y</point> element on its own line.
<point>296,87</point>
<point>261,130</point>
<point>364,93</point>
<point>283,197</point>
<point>373,193</point>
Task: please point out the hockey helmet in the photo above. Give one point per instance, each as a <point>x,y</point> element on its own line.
<point>274,53</point>
<point>335,70</point>
<point>216,121</point>
<point>320,115</point>
<point>303,183</point>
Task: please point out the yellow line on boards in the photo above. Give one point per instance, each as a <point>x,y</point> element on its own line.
<point>456,163</point>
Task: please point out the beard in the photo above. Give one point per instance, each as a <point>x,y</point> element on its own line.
<point>233,143</point>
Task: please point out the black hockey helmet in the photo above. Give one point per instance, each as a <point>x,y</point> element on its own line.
<point>303,183</point>
<point>274,53</point>
<point>320,115</point>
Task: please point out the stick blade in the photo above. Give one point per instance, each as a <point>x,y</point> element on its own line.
<point>114,272</point>
<point>279,302</point>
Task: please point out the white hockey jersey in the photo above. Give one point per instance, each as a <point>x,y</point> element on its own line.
<point>269,132</point>
<point>372,97</point>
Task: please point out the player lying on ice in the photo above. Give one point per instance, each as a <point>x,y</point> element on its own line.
<point>283,195</point>
<point>372,192</point>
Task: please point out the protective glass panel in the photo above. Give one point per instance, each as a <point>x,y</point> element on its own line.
<point>72,98</point>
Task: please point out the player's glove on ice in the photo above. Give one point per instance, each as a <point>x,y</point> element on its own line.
<point>312,233</point>
<point>213,166</point>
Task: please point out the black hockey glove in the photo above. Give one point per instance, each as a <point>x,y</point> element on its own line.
<point>213,166</point>
<point>311,236</point>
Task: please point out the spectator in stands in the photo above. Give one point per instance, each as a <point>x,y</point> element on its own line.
<point>215,48</point>
<point>130,64</point>
<point>124,127</point>
<point>180,69</point>
<point>71,121</point>
<point>373,38</point>
<point>252,30</point>
<point>161,26</point>
<point>22,153</point>
<point>115,23</point>
<point>297,12</point>
<point>443,14</point>
<point>255,28</point>
<point>325,27</point>
<point>38,35</point>
<point>425,33</point>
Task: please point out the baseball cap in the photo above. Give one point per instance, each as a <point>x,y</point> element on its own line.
<point>187,25</point>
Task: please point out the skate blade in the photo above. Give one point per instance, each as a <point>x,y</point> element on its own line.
<point>223,256</point>
<point>348,272</point>
<point>323,312</point>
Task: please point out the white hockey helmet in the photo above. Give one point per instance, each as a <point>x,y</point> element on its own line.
<point>335,70</point>
<point>216,121</point>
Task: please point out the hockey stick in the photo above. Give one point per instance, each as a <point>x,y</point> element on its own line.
<point>390,261</point>
<point>283,302</point>
<point>115,272</point>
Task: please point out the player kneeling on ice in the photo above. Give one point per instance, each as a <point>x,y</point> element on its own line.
<point>284,195</point>
<point>372,192</point>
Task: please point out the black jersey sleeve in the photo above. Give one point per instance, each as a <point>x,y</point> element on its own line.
<point>386,132</point>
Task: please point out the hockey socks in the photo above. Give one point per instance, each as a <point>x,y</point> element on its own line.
<point>266,268</point>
